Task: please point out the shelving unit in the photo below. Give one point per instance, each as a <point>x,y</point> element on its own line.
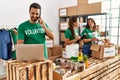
<point>82,19</point>
<point>83,10</point>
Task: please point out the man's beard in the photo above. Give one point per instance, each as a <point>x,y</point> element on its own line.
<point>34,19</point>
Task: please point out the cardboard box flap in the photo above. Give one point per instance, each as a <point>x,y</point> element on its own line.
<point>95,47</point>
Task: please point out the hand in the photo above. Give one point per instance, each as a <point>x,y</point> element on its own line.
<point>41,22</point>
<point>94,39</point>
<point>77,38</point>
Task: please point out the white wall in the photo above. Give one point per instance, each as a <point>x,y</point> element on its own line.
<point>67,3</point>
<point>12,13</point>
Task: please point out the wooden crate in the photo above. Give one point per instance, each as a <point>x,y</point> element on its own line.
<point>19,70</point>
<point>3,77</point>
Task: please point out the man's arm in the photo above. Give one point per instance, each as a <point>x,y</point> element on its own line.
<point>48,32</point>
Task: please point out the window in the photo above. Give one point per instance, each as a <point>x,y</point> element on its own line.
<point>115,21</point>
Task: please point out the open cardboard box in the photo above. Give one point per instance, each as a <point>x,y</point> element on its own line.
<point>102,51</point>
<point>57,76</point>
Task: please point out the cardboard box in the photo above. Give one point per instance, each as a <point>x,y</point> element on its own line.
<point>57,76</point>
<point>92,8</point>
<point>101,51</point>
<point>63,26</point>
<point>57,50</point>
<point>63,12</point>
<point>50,51</point>
<point>53,58</point>
<point>82,2</point>
<point>49,42</point>
<point>72,10</point>
<point>62,36</point>
<point>54,52</point>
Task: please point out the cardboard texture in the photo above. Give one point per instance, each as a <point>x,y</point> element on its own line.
<point>72,10</point>
<point>92,8</point>
<point>62,36</point>
<point>57,76</point>
<point>50,51</point>
<point>83,8</point>
<point>57,50</point>
<point>82,2</point>
<point>54,52</point>
<point>101,51</point>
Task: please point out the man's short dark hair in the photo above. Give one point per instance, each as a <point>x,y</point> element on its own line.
<point>35,5</point>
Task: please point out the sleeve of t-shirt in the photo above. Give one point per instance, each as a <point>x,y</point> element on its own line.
<point>48,27</point>
<point>21,34</point>
<point>67,34</point>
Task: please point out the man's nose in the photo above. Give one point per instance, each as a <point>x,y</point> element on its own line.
<point>35,15</point>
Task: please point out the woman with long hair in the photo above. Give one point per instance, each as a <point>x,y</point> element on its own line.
<point>71,37</point>
<point>88,32</point>
<point>71,34</point>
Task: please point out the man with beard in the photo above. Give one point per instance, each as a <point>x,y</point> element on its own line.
<point>33,31</point>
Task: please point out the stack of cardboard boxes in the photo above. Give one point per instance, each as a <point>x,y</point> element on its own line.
<point>83,8</point>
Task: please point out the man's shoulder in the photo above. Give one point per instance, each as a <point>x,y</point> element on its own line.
<point>24,23</point>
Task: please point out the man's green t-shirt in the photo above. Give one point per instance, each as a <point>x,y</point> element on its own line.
<point>32,34</point>
<point>88,34</point>
<point>69,35</point>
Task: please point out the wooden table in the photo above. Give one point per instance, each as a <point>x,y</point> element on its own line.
<point>107,69</point>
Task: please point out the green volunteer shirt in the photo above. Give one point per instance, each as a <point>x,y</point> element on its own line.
<point>32,34</point>
<point>88,34</point>
<point>69,35</point>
